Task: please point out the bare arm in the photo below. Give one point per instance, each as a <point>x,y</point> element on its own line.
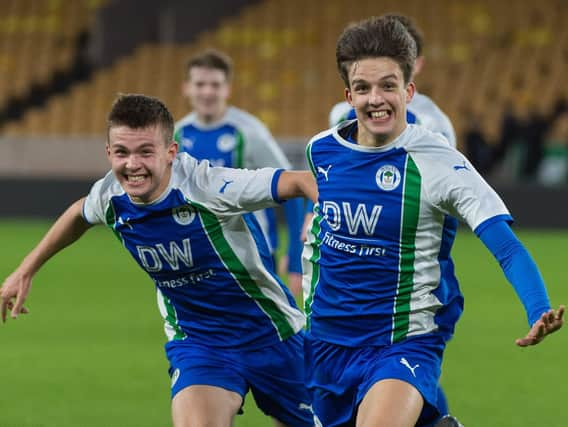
<point>297,184</point>
<point>69,227</point>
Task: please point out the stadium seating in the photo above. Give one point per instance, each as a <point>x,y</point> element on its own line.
<point>37,39</point>
<point>481,56</point>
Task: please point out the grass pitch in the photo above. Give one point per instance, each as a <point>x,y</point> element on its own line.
<point>90,352</point>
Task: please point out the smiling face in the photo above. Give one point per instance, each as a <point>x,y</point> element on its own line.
<point>208,90</point>
<point>379,96</point>
<point>141,160</point>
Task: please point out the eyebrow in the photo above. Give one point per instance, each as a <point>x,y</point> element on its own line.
<point>144,145</point>
<point>387,77</point>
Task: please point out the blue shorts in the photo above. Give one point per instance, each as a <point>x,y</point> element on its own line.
<point>339,377</point>
<point>274,374</point>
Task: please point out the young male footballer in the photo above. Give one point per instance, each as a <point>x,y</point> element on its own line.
<point>228,136</point>
<point>381,296</point>
<point>232,325</point>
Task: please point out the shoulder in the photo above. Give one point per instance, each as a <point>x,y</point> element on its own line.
<point>426,144</point>
<point>185,121</point>
<point>421,100</point>
<point>106,187</point>
<point>424,106</point>
<point>241,118</point>
<point>323,136</point>
<point>432,117</point>
<point>183,167</point>
<point>98,200</point>
<point>339,112</point>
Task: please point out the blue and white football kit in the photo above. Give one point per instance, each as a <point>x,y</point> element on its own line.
<point>216,287</point>
<point>240,140</point>
<point>379,287</point>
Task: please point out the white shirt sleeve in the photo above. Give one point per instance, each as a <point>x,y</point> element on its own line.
<point>261,149</point>
<point>453,185</point>
<point>94,208</point>
<point>227,190</point>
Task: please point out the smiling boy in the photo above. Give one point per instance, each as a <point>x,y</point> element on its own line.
<point>232,325</point>
<point>381,296</point>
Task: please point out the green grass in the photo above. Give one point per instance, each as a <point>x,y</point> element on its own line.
<point>90,352</point>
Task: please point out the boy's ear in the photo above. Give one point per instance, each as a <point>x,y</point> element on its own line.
<point>173,150</point>
<point>348,96</point>
<point>410,91</point>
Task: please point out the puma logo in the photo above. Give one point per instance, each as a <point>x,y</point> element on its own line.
<point>458,167</point>
<point>324,172</point>
<point>222,189</point>
<point>404,362</point>
<point>125,222</point>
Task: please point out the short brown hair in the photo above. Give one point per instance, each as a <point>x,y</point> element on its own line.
<point>140,111</point>
<point>412,29</point>
<point>383,36</point>
<point>213,59</point>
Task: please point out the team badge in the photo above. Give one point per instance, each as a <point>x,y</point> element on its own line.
<point>226,142</point>
<point>388,177</point>
<point>186,143</point>
<point>183,215</point>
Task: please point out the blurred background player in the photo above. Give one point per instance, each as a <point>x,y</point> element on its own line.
<point>382,300</point>
<point>228,136</point>
<point>232,325</point>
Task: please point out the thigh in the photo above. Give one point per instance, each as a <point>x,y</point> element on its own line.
<point>333,374</point>
<point>192,365</point>
<point>412,367</point>
<point>202,405</point>
<point>390,403</point>
<point>276,378</point>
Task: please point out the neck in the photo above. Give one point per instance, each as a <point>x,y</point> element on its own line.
<point>379,140</point>
<point>211,118</point>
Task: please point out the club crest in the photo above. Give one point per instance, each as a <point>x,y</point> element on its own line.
<point>388,177</point>
<point>183,215</point>
<point>226,142</point>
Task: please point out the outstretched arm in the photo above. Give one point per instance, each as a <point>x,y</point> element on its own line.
<point>522,272</point>
<point>293,184</point>
<point>297,184</point>
<point>66,230</point>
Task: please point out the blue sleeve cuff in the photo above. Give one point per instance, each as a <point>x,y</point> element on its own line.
<point>488,222</point>
<point>274,186</point>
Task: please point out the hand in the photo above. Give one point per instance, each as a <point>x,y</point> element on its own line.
<point>16,286</point>
<point>548,323</point>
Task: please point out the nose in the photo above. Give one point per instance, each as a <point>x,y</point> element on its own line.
<point>376,97</point>
<point>133,162</point>
<point>208,91</point>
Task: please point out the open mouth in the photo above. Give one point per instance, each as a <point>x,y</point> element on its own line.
<point>135,179</point>
<point>379,115</point>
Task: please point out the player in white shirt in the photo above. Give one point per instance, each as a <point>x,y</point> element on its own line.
<point>232,325</point>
